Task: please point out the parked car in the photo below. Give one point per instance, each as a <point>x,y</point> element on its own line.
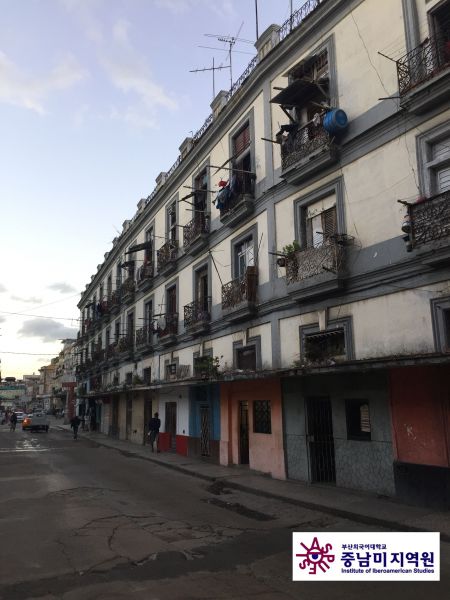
<point>20,416</point>
<point>35,422</point>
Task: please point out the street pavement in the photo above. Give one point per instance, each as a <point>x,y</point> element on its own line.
<point>355,505</point>
<point>101,519</point>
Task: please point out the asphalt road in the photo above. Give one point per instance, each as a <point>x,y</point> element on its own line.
<point>80,521</point>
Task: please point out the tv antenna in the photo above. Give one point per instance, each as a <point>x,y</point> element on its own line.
<point>231,41</point>
<point>213,69</point>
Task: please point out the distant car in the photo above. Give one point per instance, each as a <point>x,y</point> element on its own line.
<point>20,416</point>
<point>35,422</point>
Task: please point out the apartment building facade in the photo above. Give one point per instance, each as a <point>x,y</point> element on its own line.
<point>282,298</point>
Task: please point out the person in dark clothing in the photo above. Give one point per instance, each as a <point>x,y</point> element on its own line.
<point>75,423</point>
<point>13,421</point>
<point>153,431</point>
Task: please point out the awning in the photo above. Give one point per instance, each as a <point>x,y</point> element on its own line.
<point>143,246</point>
<point>296,94</point>
<point>325,334</point>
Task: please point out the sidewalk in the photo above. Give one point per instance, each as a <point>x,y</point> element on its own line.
<point>354,505</point>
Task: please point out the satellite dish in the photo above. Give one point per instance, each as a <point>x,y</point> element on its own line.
<point>161,322</point>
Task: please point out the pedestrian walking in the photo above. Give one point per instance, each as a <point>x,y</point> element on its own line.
<point>153,431</point>
<point>75,423</point>
<point>12,422</point>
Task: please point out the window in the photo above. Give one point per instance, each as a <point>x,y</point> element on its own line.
<point>434,157</point>
<point>246,358</point>
<point>149,239</point>
<point>129,378</point>
<point>440,312</point>
<point>325,345</point>
<point>118,275</point>
<point>171,303</point>
<point>244,256</point>
<point>242,161</point>
<point>201,290</point>
<point>358,419</point>
<point>130,325</point>
<point>440,27</point>
<point>147,375</point>
<point>109,286</point>
<point>148,313</point>
<point>262,418</point>
<point>107,337</point>
<point>172,222</point>
<point>200,191</point>
<point>116,331</point>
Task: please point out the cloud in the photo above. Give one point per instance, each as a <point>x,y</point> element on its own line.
<point>120,31</point>
<point>61,286</point>
<point>31,91</point>
<point>2,288</point>
<point>84,13</point>
<point>2,319</point>
<point>46,330</point>
<point>29,300</point>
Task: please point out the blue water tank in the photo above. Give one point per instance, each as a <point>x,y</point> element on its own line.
<point>335,121</point>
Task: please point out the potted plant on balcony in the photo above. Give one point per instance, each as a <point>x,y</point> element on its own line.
<point>288,251</point>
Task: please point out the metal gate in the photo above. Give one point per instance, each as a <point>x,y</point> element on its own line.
<point>320,440</point>
<point>204,431</point>
<point>243,433</point>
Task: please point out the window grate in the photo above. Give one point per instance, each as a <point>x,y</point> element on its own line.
<point>262,416</point>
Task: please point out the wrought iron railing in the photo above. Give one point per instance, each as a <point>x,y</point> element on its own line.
<point>144,336</point>
<point>111,350</point>
<point>422,63</point>
<point>171,325</point>
<point>298,17</point>
<point>176,372</point>
<point>430,219</point>
<point>195,228</point>
<point>128,286</point>
<point>231,201</point>
<point>300,144</point>
<point>126,343</point>
<point>197,311</point>
<point>115,298</point>
<point>241,289</point>
<point>167,253</point>
<point>146,272</point>
<point>311,262</point>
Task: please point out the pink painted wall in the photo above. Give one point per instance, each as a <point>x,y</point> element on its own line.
<point>266,452</point>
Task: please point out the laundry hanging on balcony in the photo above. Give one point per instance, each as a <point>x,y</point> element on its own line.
<point>227,193</point>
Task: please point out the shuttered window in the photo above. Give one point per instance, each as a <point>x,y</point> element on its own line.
<point>241,141</point>
<point>321,227</point>
<point>358,419</point>
<point>443,179</point>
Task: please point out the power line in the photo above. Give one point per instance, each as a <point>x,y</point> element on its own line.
<point>29,353</point>
<point>19,314</point>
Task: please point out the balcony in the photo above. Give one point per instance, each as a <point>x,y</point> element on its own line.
<point>128,288</point>
<point>167,334</point>
<point>195,234</point>
<point>317,271</point>
<point>125,345</point>
<point>115,301</point>
<point>236,207</point>
<point>167,257</point>
<point>197,316</point>
<point>176,372</point>
<point>430,227</point>
<point>145,277</point>
<point>424,75</point>
<point>112,353</point>
<point>239,296</point>
<point>306,150</point>
<point>144,339</point>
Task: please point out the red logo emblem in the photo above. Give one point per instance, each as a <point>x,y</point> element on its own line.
<point>316,556</point>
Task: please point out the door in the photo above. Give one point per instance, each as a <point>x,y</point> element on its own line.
<point>204,430</point>
<point>129,416</point>
<point>243,433</point>
<point>320,440</point>
<point>171,423</point>
<point>147,415</point>
<point>115,417</point>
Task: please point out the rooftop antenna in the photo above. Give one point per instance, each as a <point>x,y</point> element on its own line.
<point>231,41</point>
<point>213,69</point>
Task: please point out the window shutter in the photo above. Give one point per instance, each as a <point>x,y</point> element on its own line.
<point>443,179</point>
<point>364,418</point>
<point>242,140</point>
<point>329,222</point>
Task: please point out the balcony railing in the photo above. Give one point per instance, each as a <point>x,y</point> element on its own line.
<point>301,143</point>
<point>241,289</point>
<point>144,336</point>
<point>197,312</point>
<point>115,299</point>
<point>195,229</point>
<point>111,351</point>
<point>422,63</point>
<point>430,219</point>
<point>126,343</point>
<point>171,325</point>
<point>228,201</point>
<point>167,254</point>
<point>145,273</point>
<point>311,262</point>
<point>128,286</point>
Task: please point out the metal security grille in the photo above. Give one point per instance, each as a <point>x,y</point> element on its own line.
<point>205,431</point>
<point>243,434</point>
<point>262,421</point>
<point>320,440</point>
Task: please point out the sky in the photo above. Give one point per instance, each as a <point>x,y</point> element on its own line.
<point>96,97</point>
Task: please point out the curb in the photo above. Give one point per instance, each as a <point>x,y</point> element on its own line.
<point>338,512</point>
